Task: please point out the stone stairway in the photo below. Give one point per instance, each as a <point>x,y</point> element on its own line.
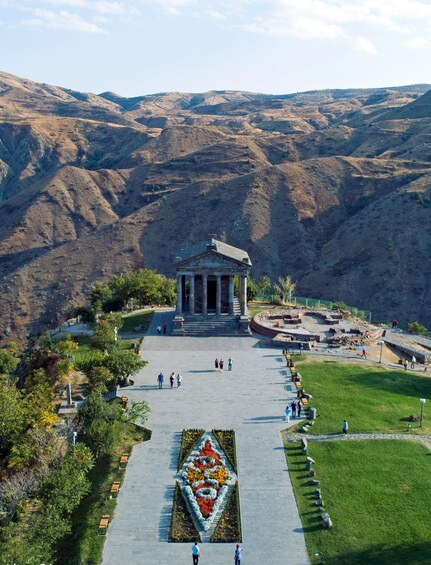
<point>208,327</point>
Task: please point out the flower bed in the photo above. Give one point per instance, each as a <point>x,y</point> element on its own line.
<point>206,480</point>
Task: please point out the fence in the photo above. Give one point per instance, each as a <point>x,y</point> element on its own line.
<point>318,303</point>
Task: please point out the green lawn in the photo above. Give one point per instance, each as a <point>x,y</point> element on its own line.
<point>85,349</point>
<point>378,495</point>
<point>371,399</point>
<point>131,321</point>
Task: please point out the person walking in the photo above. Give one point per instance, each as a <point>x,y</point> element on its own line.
<point>179,380</point>
<point>172,379</point>
<point>229,364</point>
<point>221,365</point>
<point>406,364</point>
<point>345,427</point>
<point>165,327</point>
<point>237,554</point>
<point>364,352</point>
<point>159,329</point>
<point>412,364</point>
<point>216,364</point>
<point>293,407</point>
<point>196,553</point>
<point>298,409</point>
<point>288,412</point>
<point>160,379</point>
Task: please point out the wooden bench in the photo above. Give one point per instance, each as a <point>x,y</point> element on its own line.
<point>115,488</point>
<point>304,402</point>
<point>103,526</point>
<point>123,460</point>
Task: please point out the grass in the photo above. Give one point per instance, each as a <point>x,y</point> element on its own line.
<point>84,545</point>
<point>142,319</point>
<point>85,349</point>
<point>371,399</point>
<point>378,495</point>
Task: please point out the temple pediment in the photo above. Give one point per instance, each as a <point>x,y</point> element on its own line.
<point>212,261</point>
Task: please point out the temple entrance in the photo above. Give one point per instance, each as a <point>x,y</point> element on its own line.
<point>212,295</point>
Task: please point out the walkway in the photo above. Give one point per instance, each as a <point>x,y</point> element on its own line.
<point>425,439</point>
<point>250,400</point>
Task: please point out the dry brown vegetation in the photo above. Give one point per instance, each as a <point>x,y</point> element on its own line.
<point>332,187</point>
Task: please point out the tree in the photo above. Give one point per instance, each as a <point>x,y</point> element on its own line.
<point>418,329</point>
<point>85,313</point>
<point>263,285</point>
<point>285,287</point>
<point>123,364</point>
<point>99,292</point>
<point>8,362</point>
<point>99,421</point>
<point>103,337</point>
<point>98,378</point>
<point>138,413</point>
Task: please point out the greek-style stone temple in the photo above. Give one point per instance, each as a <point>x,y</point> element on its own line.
<point>206,300</point>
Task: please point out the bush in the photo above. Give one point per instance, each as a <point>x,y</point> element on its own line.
<point>113,305</point>
<point>85,314</point>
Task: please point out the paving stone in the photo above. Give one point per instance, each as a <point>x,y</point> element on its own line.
<point>250,399</point>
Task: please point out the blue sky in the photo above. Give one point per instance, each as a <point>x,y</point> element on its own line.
<point>138,47</point>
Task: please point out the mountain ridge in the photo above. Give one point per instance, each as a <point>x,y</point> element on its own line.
<point>319,185</point>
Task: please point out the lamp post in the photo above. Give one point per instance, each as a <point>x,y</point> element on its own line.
<point>381,343</point>
<point>115,335</point>
<point>422,401</point>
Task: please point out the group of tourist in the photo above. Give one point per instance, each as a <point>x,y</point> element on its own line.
<point>196,553</point>
<point>219,364</point>
<point>172,378</point>
<point>293,410</point>
<point>160,328</point>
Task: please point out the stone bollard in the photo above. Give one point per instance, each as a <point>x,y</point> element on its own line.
<point>326,520</point>
<point>308,465</point>
<point>312,413</point>
<point>317,493</point>
<point>319,502</point>
<point>314,482</point>
<point>304,446</point>
<point>311,473</point>
<point>311,460</point>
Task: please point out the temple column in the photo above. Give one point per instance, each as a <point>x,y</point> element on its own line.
<point>243,295</point>
<point>231,294</point>
<point>192,295</point>
<point>204,294</point>
<point>218,295</point>
<point>179,294</point>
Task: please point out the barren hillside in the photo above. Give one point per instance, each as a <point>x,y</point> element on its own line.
<point>332,187</point>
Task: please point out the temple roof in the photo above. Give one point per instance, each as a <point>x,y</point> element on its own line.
<point>216,246</point>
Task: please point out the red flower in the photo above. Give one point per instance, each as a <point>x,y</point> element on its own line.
<point>206,506</point>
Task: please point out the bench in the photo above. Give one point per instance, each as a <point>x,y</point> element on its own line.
<point>304,402</point>
<point>103,526</point>
<point>115,488</point>
<point>123,460</point>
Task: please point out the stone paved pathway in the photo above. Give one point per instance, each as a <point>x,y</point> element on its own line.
<point>250,400</point>
<point>349,437</point>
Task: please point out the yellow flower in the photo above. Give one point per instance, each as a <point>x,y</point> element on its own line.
<point>220,474</point>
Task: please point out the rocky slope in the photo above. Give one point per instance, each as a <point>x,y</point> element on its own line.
<point>332,187</point>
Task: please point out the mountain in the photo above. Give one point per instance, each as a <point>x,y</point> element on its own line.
<point>332,187</point>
